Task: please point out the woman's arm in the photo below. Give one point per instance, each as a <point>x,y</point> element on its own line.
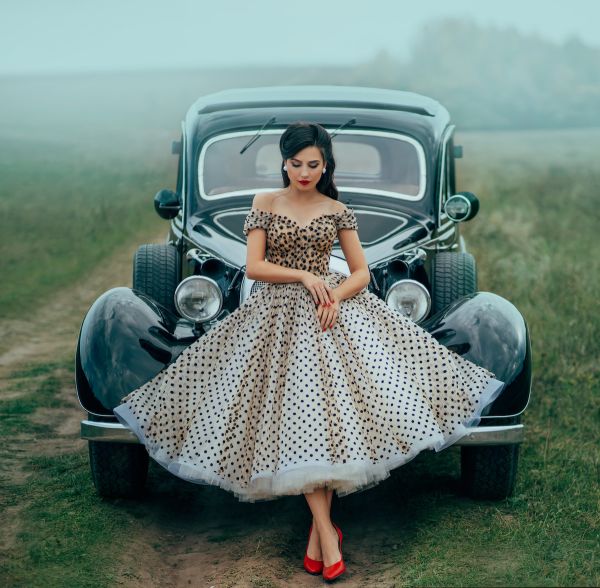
<point>360,276</point>
<point>267,271</point>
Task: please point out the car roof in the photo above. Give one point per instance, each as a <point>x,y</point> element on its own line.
<point>329,104</point>
<point>318,95</point>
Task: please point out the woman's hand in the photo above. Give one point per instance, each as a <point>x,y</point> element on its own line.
<point>319,289</point>
<point>328,313</point>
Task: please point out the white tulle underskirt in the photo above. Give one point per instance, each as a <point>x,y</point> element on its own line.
<point>344,478</point>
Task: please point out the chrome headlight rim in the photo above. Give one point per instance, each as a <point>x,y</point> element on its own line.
<point>420,287</point>
<point>458,197</point>
<point>181,285</point>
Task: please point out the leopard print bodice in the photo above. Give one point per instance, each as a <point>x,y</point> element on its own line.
<point>307,247</point>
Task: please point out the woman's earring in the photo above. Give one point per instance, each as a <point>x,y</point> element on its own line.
<point>285,168</point>
<point>324,169</point>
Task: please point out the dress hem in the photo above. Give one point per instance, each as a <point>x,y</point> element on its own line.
<point>345,478</point>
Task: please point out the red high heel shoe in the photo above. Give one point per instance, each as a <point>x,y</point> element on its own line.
<point>312,566</point>
<point>339,567</point>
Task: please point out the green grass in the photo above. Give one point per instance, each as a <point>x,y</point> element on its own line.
<point>69,537</point>
<point>66,535</point>
<point>536,245</point>
<point>545,535</point>
<point>34,387</point>
<point>64,208</point>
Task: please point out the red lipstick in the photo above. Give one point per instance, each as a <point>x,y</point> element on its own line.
<point>304,182</point>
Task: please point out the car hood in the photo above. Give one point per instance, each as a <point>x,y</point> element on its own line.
<point>383,231</point>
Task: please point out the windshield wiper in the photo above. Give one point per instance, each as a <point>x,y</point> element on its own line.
<point>352,121</point>
<point>270,121</point>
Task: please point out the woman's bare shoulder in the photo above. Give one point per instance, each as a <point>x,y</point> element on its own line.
<point>262,201</point>
<point>339,207</point>
<point>335,206</point>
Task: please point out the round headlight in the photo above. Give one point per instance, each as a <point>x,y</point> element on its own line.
<point>198,298</point>
<point>409,298</point>
<point>457,207</point>
<point>462,206</point>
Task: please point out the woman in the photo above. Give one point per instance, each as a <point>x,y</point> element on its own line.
<point>313,383</point>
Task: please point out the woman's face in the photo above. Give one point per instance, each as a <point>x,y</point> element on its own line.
<point>305,168</point>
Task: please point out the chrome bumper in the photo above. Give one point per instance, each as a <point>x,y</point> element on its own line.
<point>112,432</point>
<point>496,435</point>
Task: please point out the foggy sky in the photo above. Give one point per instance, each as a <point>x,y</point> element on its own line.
<point>37,36</point>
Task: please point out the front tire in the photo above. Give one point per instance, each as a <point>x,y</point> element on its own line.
<point>490,472</point>
<point>156,273</point>
<point>119,470</point>
<point>454,274</point>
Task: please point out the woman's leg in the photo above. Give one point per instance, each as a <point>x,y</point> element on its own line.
<point>324,535</point>
<point>314,544</point>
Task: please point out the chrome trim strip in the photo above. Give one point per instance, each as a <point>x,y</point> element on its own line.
<point>445,139</point>
<point>496,435</point>
<point>440,238</point>
<point>398,136</point>
<point>110,432</point>
<point>445,226</point>
<point>184,176</point>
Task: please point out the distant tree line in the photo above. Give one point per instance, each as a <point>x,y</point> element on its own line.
<point>490,78</point>
<point>487,77</point>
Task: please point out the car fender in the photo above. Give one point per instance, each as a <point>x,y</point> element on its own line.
<point>125,339</point>
<point>490,331</point>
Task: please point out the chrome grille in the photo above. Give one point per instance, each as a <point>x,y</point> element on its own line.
<point>256,285</point>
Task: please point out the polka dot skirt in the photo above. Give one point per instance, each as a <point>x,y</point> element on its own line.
<point>266,404</point>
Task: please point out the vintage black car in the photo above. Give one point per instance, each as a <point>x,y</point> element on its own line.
<point>395,166</point>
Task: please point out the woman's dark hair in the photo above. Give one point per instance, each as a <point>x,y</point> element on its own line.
<point>302,134</point>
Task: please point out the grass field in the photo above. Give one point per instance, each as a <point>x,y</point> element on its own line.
<point>65,208</point>
<point>67,205</point>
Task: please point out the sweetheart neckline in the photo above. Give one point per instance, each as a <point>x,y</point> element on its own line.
<point>295,221</point>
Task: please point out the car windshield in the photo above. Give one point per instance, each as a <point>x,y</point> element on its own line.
<point>372,162</point>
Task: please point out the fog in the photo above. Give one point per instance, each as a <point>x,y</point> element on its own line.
<point>86,70</point>
<point>84,36</point>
